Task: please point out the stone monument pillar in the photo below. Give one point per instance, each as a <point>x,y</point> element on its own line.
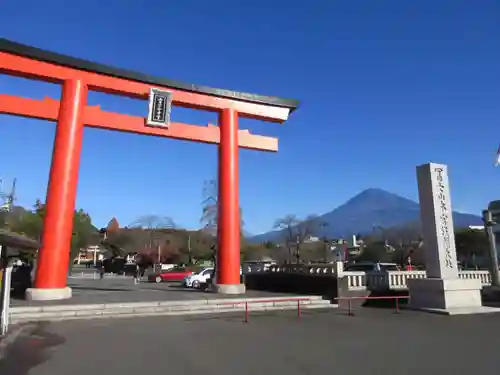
<point>442,291</point>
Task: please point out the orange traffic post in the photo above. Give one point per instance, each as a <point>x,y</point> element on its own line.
<point>228,257</point>
<point>53,261</point>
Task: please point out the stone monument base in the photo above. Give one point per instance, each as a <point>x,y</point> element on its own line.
<point>230,288</point>
<point>447,296</point>
<point>36,294</point>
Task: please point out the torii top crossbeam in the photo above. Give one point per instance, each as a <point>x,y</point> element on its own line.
<point>34,63</point>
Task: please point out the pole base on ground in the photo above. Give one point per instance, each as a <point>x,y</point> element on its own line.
<point>38,294</point>
<point>230,288</point>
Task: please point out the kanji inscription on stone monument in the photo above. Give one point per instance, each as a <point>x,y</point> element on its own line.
<point>437,221</point>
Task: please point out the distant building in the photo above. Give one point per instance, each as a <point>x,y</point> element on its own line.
<point>311,239</point>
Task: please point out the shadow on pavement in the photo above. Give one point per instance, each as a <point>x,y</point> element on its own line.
<point>491,296</point>
<point>30,349</point>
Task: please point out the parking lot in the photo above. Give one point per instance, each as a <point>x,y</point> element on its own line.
<point>123,290</point>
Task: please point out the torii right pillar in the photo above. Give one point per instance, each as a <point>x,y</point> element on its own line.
<point>228,279</point>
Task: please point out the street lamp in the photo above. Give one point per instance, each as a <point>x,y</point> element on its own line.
<point>326,248</point>
<point>297,253</point>
<point>489,220</point>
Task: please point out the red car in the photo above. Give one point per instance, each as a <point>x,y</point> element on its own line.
<point>175,274</point>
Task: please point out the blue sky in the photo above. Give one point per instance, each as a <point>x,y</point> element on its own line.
<point>384,85</point>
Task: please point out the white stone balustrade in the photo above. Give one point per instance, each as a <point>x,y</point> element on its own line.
<point>393,280</point>
<point>484,276</point>
<point>356,280</point>
<point>398,280</point>
<point>304,269</point>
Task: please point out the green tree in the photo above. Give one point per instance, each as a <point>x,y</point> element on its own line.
<point>3,218</point>
<point>155,228</point>
<point>296,231</point>
<point>210,215</point>
<point>471,244</point>
<point>117,242</point>
<point>375,252</point>
<point>84,233</point>
<point>30,223</point>
<point>210,209</point>
<point>269,245</point>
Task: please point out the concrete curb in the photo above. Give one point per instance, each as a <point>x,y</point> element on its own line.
<point>197,302</point>
<point>144,313</point>
<point>216,306</point>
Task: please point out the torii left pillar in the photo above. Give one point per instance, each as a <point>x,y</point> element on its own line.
<point>53,261</point>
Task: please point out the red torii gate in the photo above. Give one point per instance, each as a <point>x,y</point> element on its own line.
<point>72,113</point>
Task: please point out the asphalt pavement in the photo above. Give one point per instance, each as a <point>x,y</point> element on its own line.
<point>375,341</point>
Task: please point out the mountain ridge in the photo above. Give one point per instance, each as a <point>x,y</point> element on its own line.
<point>372,209</point>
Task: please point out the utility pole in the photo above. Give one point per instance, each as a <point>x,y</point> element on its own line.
<point>297,250</point>
<point>190,258</point>
<point>159,254</point>
<point>326,248</point>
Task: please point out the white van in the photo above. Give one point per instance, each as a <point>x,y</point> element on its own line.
<point>213,278</point>
<point>198,279</point>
